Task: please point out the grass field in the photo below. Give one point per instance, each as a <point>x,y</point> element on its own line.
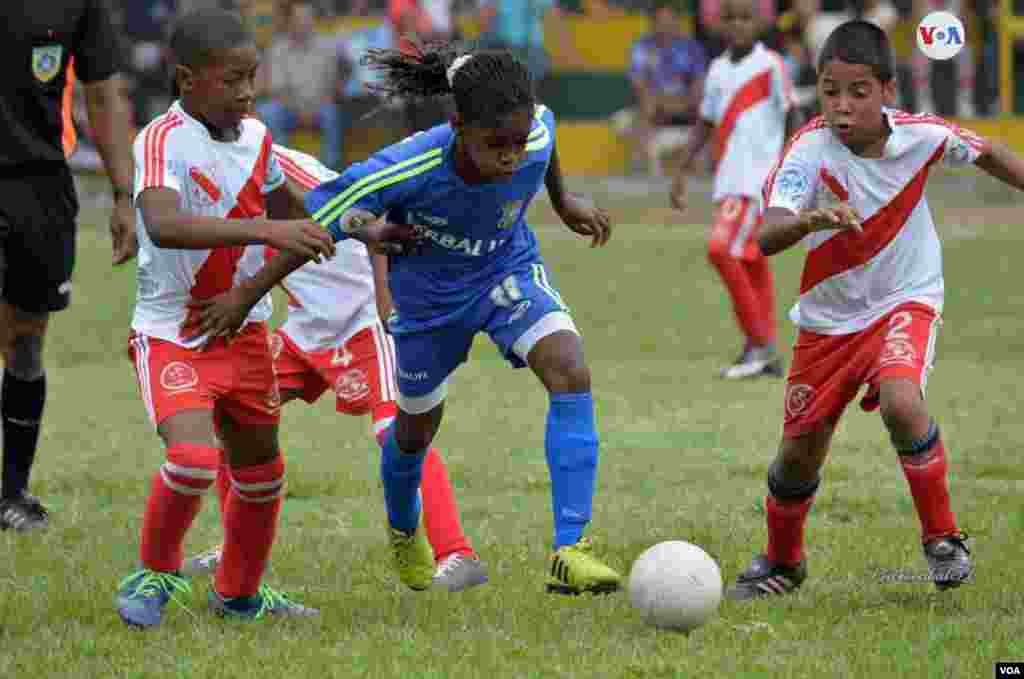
<point>684,456</point>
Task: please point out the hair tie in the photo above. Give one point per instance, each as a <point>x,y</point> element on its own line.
<point>457,63</point>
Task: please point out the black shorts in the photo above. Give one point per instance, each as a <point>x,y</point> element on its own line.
<point>38,208</point>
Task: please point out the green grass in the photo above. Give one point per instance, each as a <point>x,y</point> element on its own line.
<point>684,456</point>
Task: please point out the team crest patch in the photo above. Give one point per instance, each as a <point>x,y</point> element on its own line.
<point>798,399</point>
<point>178,376</point>
<point>792,185</point>
<point>509,213</point>
<point>352,386</point>
<point>46,62</point>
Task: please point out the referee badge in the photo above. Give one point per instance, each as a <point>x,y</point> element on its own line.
<point>46,62</point>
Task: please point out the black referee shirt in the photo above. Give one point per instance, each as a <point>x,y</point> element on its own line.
<point>38,41</point>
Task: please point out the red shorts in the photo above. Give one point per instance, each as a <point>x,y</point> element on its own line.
<point>829,370</point>
<point>734,232</point>
<point>361,372</point>
<point>236,377</point>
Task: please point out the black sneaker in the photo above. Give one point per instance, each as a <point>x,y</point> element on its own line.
<point>949,561</point>
<point>23,513</point>
<point>766,578</point>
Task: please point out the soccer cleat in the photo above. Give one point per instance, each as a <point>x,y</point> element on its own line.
<point>413,558</point>
<point>459,572</point>
<point>575,570</point>
<point>766,578</point>
<point>266,601</point>
<point>204,563</point>
<point>754,362</point>
<point>143,595</point>
<point>949,561</point>
<point>23,513</point>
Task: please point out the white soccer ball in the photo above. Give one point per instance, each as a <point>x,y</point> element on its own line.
<point>675,585</point>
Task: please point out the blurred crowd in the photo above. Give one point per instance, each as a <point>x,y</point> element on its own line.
<point>314,80</point>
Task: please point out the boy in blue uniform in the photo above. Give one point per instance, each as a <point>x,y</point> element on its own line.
<point>463,189</point>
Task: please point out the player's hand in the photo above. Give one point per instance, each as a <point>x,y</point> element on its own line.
<point>123,240</point>
<point>677,194</point>
<point>304,237</point>
<point>582,216</point>
<point>380,236</point>
<point>841,217</point>
<point>218,316</point>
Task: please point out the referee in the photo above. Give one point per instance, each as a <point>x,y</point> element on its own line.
<point>45,46</point>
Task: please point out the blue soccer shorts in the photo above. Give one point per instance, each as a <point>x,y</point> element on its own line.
<point>522,309</point>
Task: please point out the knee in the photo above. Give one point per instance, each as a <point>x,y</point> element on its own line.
<point>902,411</point>
<point>568,374</point>
<point>23,356</point>
<point>414,434</point>
<point>792,482</point>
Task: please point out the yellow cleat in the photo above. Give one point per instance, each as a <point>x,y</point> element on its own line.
<point>414,558</point>
<point>575,570</point>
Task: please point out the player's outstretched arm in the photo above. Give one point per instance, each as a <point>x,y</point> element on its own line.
<point>782,228</point>
<point>1003,164</point>
<point>169,227</point>
<point>222,315</point>
<point>381,289</point>
<point>698,139</point>
<point>287,201</point>
<point>578,212</point>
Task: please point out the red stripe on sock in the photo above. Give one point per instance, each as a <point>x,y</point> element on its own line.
<point>440,512</point>
<point>249,530</point>
<point>169,513</point>
<point>929,487</point>
<point>786,529</point>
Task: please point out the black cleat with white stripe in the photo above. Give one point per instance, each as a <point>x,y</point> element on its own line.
<point>767,578</point>
<point>23,513</point>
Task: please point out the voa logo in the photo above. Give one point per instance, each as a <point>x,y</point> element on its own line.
<point>940,35</point>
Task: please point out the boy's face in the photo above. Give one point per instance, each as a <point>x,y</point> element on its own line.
<point>740,23</point>
<point>222,91</point>
<point>852,98</point>
<point>496,152</point>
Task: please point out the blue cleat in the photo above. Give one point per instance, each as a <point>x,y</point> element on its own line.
<point>267,601</point>
<point>143,595</point>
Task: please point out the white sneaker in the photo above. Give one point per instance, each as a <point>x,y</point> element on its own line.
<point>753,363</point>
<point>204,563</point>
<point>459,572</point>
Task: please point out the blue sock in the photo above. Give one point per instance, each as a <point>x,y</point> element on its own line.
<point>401,473</point>
<point>571,446</point>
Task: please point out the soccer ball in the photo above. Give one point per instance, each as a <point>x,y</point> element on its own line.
<point>675,585</point>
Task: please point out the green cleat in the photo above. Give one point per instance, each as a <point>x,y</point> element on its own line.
<point>266,602</point>
<point>575,570</point>
<point>413,558</point>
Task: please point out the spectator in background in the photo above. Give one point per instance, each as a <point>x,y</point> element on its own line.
<point>708,30</point>
<point>518,26</point>
<point>146,27</point>
<point>356,79</point>
<point>302,77</point>
<point>667,72</point>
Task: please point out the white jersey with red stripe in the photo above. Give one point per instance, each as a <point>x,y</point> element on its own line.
<point>747,102</point>
<point>850,280</point>
<point>214,179</point>
<point>328,302</point>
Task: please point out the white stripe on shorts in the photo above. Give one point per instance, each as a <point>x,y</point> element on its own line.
<point>929,354</point>
<point>549,324</point>
<point>142,370</point>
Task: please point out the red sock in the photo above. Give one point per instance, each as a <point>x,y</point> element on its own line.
<point>928,485</point>
<point>250,523</point>
<point>786,529</point>
<point>745,299</point>
<point>440,512</point>
<point>174,500</point>
<point>759,273</point>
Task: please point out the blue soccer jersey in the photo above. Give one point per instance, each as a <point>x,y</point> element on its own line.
<point>476,233</point>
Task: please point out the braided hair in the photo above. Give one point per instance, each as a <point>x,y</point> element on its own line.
<point>487,85</point>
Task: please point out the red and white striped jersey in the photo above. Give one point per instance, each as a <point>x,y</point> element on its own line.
<point>850,280</point>
<point>212,178</point>
<point>328,303</point>
<point>747,102</point>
